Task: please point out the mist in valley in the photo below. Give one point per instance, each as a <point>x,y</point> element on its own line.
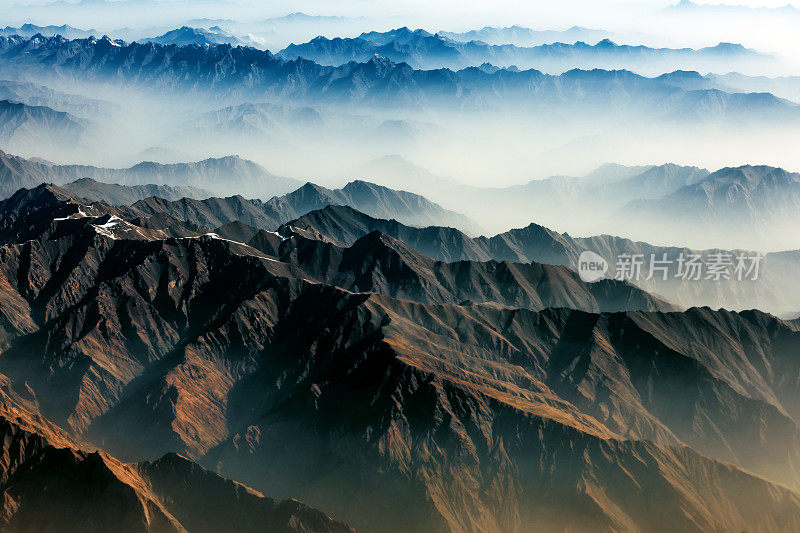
<point>448,155</point>
<point>381,258</point>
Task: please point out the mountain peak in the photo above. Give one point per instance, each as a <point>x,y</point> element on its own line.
<point>606,43</point>
<point>380,61</point>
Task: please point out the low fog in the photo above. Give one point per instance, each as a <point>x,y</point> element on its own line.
<point>451,154</point>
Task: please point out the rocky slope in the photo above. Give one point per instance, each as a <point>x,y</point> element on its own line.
<point>48,486</point>
<point>379,201</point>
<point>775,289</point>
<point>392,414</point>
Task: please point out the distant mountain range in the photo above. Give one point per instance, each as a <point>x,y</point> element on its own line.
<point>689,7</point>
<point>423,50</point>
<point>752,199</point>
<point>35,95</point>
<point>666,203</point>
<point>24,126</point>
<point>114,194</point>
<point>653,203</point>
<point>377,83</point>
<point>378,201</point>
<point>364,404</point>
<point>776,289</point>
<point>338,217</point>
<point>29,30</point>
<point>598,194</point>
<point>521,36</point>
<point>185,35</point>
<point>226,175</point>
<point>272,33</point>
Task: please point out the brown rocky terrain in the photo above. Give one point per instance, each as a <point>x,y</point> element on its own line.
<point>48,482</point>
<point>379,385</point>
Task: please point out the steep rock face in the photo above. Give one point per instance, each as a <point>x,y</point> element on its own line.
<point>193,494</point>
<point>66,489</point>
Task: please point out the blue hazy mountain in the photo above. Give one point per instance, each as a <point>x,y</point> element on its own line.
<point>424,50</point>
<point>745,203</point>
<point>521,36</point>
<point>379,82</point>
<point>23,127</point>
<point>29,30</point>
<point>187,36</point>
<point>689,7</point>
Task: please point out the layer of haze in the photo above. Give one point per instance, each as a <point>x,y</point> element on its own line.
<point>466,148</point>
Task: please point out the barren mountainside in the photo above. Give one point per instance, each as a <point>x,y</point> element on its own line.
<point>51,487</point>
<point>774,290</point>
<point>431,414</point>
<point>383,270</point>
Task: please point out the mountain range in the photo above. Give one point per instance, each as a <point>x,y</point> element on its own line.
<point>599,193</point>
<point>185,35</point>
<point>65,30</point>
<point>23,126</point>
<point>114,194</point>
<point>689,7</point>
<point>226,175</point>
<point>753,199</point>
<point>35,95</point>
<point>190,341</point>
<point>238,71</point>
<point>367,197</point>
<point>423,50</point>
<point>521,36</point>
<point>775,289</point>
<point>391,414</point>
<point>666,203</point>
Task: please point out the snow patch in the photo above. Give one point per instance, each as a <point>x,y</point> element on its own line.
<point>73,216</point>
